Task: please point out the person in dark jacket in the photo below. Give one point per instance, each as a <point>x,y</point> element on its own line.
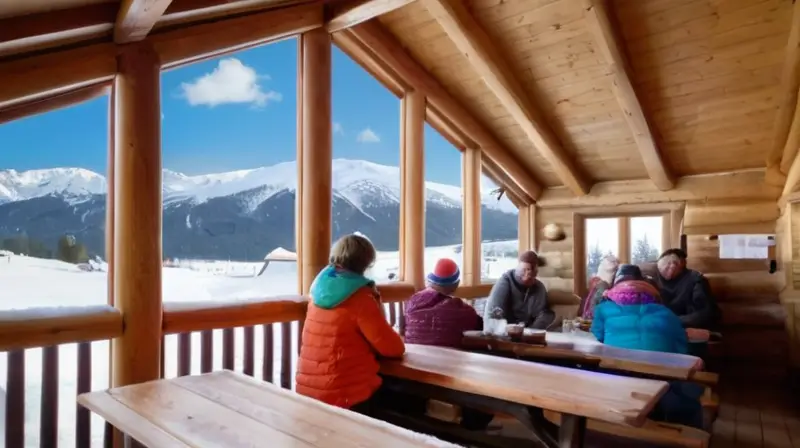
<point>686,292</point>
<point>519,297</point>
<point>634,318</point>
<point>434,316</point>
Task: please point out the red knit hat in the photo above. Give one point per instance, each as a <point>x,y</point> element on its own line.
<point>445,273</point>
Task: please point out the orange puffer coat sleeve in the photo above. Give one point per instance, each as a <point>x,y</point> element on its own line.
<point>338,358</point>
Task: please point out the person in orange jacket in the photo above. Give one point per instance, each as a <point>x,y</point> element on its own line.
<point>345,331</point>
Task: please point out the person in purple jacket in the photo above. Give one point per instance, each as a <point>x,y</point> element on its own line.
<point>435,317</point>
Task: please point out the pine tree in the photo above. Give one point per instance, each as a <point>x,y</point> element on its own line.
<point>643,252</point>
<point>71,251</point>
<point>593,261</point>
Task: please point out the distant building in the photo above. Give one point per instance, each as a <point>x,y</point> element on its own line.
<point>280,255</point>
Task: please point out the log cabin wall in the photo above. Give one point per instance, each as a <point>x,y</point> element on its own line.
<point>755,342</point>
<point>787,235</point>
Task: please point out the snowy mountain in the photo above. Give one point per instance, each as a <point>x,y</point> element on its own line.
<point>239,214</point>
<point>352,179</point>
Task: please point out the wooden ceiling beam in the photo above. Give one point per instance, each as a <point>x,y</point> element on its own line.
<point>476,45</point>
<point>136,18</point>
<point>784,149</point>
<point>57,22</point>
<point>43,105</point>
<point>599,21</point>
<point>738,185</point>
<point>42,75</point>
<point>384,45</point>
<point>364,57</point>
<point>195,43</point>
<point>347,14</point>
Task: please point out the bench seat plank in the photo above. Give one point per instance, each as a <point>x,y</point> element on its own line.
<point>610,398</point>
<point>651,432</point>
<point>232,410</point>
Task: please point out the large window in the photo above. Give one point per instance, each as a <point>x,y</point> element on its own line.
<point>229,145</point>
<point>366,165</point>
<point>499,234</point>
<point>646,238</point>
<point>443,200</point>
<point>52,239</point>
<point>632,239</point>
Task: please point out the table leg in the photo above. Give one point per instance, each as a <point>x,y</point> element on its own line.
<point>572,431</point>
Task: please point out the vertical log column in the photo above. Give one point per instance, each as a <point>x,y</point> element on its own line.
<point>137,214</point>
<point>316,154</point>
<point>412,156</point>
<point>471,217</point>
<point>527,232</point>
<point>624,242</point>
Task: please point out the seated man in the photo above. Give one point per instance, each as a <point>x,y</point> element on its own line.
<point>686,292</point>
<point>518,297</point>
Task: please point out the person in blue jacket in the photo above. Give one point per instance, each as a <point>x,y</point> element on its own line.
<point>633,317</point>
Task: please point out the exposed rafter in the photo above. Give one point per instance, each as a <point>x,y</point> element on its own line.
<point>382,43</point>
<point>136,18</point>
<point>475,44</point>
<point>353,12</point>
<point>598,18</point>
<point>783,150</point>
<point>369,62</point>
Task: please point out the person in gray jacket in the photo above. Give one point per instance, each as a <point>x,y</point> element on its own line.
<point>519,297</point>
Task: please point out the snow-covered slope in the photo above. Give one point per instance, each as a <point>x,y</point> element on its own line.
<point>361,182</point>
<point>72,182</point>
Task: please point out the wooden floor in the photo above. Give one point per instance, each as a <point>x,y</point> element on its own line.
<point>756,416</point>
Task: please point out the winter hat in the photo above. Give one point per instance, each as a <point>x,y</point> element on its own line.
<point>628,272</point>
<point>445,273</point>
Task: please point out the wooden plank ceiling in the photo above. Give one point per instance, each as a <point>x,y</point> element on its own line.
<point>565,92</point>
<point>706,74</point>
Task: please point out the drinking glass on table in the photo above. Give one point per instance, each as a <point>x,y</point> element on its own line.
<point>568,326</point>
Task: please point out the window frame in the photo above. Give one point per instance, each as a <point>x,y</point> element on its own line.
<point>671,229</point>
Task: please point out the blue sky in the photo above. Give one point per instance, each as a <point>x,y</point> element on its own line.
<point>232,113</point>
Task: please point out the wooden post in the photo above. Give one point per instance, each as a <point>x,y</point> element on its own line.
<point>624,239</point>
<point>472,252</point>
<point>137,214</point>
<point>523,235</point>
<point>316,154</point>
<point>413,184</point>
<point>298,192</point>
<point>579,254</point>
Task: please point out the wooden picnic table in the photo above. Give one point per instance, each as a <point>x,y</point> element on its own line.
<point>585,350</point>
<point>524,389</point>
<point>228,409</point>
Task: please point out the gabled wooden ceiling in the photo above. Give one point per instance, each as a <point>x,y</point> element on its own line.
<point>557,92</point>
<point>707,74</point>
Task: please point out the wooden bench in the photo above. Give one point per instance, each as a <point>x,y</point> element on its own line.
<point>523,389</point>
<point>651,432</point>
<point>233,410</point>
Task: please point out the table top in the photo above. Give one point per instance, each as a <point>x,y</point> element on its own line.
<point>610,398</point>
<point>584,347</point>
<point>231,410</point>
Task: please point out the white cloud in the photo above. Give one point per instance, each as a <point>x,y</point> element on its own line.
<point>337,128</point>
<point>230,82</point>
<point>368,136</point>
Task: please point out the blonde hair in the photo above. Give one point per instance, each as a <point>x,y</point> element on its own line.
<point>608,268</point>
<point>354,253</point>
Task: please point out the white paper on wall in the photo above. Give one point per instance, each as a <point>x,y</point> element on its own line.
<point>745,246</point>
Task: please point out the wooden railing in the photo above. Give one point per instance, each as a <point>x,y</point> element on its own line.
<point>49,328</point>
<point>249,332</point>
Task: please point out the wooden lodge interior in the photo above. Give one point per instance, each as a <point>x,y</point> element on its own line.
<point>578,109</point>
